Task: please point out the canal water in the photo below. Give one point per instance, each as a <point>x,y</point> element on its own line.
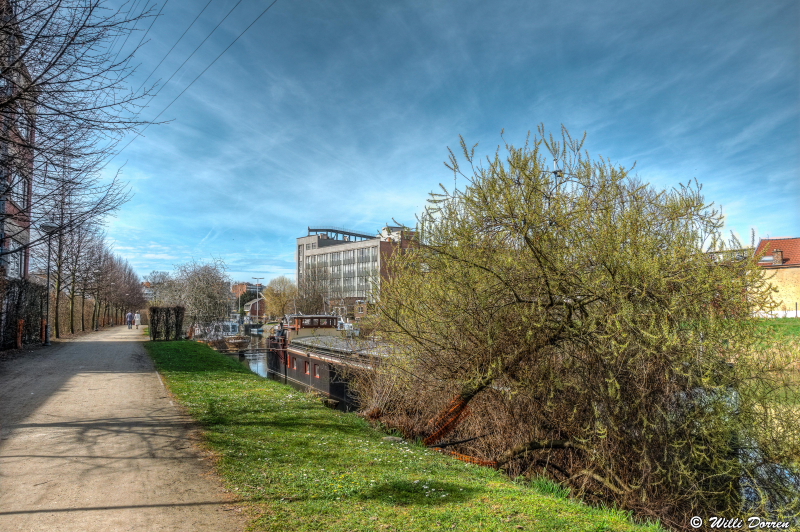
<point>258,363</point>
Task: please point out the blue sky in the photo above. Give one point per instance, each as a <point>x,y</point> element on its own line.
<point>341,113</point>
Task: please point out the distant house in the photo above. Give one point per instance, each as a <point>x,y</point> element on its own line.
<point>148,292</point>
<point>781,257</point>
<point>241,289</point>
<point>255,308</point>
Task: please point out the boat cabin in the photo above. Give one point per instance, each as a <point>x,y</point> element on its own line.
<point>297,326</point>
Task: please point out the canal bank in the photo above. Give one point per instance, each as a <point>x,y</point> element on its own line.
<point>300,466</point>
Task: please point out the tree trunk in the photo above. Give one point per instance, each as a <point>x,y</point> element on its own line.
<point>72,294</point>
<point>447,421</point>
<point>56,320</point>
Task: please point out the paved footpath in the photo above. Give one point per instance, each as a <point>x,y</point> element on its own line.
<point>90,441</point>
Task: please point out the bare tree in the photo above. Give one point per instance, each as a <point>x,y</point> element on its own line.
<point>312,290</point>
<point>203,289</point>
<point>65,101</point>
<point>163,288</point>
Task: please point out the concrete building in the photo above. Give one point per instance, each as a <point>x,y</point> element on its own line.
<point>345,265</point>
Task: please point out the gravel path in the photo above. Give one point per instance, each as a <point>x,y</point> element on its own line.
<point>90,441</point>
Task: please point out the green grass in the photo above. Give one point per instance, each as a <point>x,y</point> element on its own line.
<point>786,332</point>
<point>299,466</point>
<point>783,327</point>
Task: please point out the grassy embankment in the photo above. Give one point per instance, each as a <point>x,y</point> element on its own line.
<point>783,327</point>
<point>299,466</point>
<point>786,334</point>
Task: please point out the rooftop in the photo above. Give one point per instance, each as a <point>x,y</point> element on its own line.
<point>789,248</point>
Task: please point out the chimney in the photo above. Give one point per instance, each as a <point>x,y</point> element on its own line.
<point>777,257</point>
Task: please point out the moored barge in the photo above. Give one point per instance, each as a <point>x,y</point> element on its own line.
<point>313,352</point>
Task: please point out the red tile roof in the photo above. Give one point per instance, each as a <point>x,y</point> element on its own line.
<point>789,246</point>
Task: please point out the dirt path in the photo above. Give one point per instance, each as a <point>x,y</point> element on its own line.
<point>90,441</point>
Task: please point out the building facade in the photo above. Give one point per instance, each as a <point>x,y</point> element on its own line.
<point>344,265</point>
<point>16,151</point>
<point>780,257</point>
<point>249,289</point>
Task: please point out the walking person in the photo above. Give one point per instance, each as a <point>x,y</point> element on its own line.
<point>137,319</point>
<point>129,319</point>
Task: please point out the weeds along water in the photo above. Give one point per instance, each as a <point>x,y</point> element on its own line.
<point>299,466</point>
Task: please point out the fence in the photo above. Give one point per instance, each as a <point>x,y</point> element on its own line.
<point>783,313</point>
<point>21,312</point>
<point>166,323</point>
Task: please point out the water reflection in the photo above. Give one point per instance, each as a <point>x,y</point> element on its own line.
<point>257,363</point>
<point>336,387</point>
<point>257,342</point>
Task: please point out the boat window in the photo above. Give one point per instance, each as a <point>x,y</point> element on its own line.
<point>316,370</point>
<point>305,367</point>
<point>307,322</point>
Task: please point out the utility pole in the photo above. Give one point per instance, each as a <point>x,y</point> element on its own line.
<point>258,294</point>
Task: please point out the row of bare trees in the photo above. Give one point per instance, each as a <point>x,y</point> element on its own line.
<point>90,286</point>
<point>66,102</point>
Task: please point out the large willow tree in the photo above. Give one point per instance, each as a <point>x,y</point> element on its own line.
<point>567,319</point>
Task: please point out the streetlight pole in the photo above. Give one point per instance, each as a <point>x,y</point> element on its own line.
<point>48,228</point>
<point>97,300</point>
<point>258,293</point>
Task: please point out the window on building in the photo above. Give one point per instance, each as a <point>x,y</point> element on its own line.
<point>14,262</point>
<point>308,246</point>
<point>19,190</point>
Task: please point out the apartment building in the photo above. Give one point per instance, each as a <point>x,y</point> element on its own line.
<point>342,264</point>
<point>16,151</point>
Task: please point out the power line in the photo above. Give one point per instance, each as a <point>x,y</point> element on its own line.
<point>149,27</point>
<point>174,45</point>
<point>173,75</point>
<point>128,34</point>
<point>193,52</point>
<point>198,76</point>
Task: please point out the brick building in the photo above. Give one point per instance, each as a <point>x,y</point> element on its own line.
<point>250,289</point>
<point>781,258</point>
<point>16,152</point>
